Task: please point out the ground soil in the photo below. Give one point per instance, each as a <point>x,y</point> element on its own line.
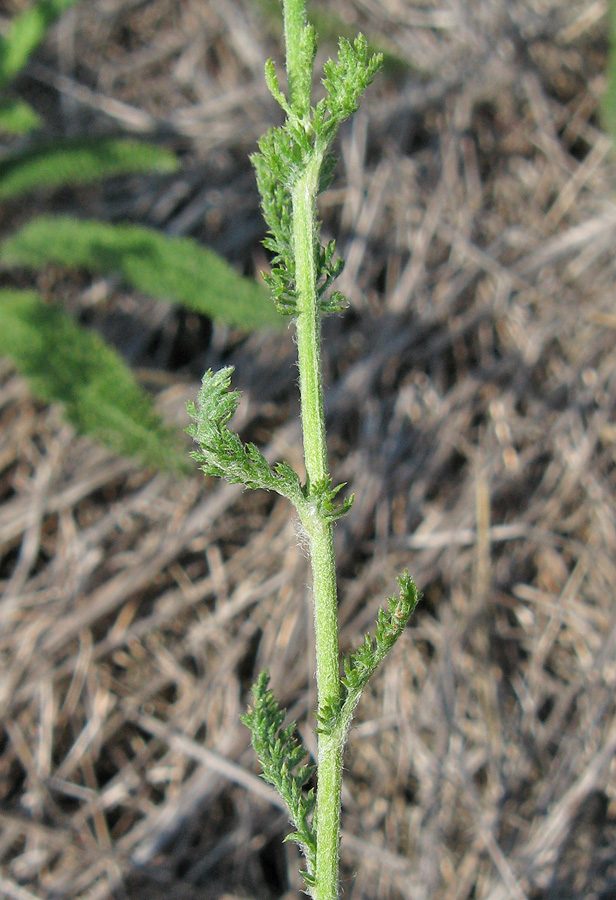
<point>471,408</point>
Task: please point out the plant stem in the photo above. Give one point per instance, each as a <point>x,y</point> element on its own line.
<point>320,534</point>
<point>308,325</point>
<point>320,530</point>
<point>292,166</point>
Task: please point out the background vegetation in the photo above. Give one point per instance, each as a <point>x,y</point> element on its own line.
<point>101,398</point>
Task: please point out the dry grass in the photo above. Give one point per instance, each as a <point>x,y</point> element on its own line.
<point>471,405</point>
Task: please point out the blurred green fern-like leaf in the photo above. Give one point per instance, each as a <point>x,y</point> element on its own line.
<point>25,34</point>
<point>609,98</point>
<point>79,162</point>
<point>17,117</point>
<point>176,269</point>
<point>65,362</point>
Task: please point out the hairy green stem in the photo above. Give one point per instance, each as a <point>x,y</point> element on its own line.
<point>319,529</point>
<point>308,324</point>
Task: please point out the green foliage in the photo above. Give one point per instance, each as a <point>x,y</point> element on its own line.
<point>292,166</point>
<point>65,362</point>
<point>361,665</point>
<point>282,758</point>
<point>25,34</point>
<point>324,497</point>
<point>103,400</point>
<point>222,453</point>
<point>78,162</point>
<point>330,27</point>
<point>390,623</point>
<point>17,117</point>
<point>345,81</point>
<point>609,99</point>
<point>286,152</point>
<point>23,37</point>
<point>174,269</point>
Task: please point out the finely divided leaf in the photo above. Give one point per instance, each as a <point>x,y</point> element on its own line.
<point>347,78</point>
<point>282,759</point>
<point>271,79</point>
<point>80,162</point>
<point>222,453</point>
<point>363,662</point>
<point>276,166</point>
<point>304,139</point>
<point>25,34</point>
<point>324,495</point>
<point>17,117</point>
<point>175,269</point>
<point>72,365</point>
<point>330,26</point>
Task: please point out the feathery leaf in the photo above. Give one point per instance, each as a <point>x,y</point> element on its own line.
<point>222,453</point>
<point>324,495</point>
<point>282,760</point>
<point>175,269</point>
<point>361,664</point>
<point>286,152</point>
<point>79,162</point>
<point>72,365</point>
<point>25,34</point>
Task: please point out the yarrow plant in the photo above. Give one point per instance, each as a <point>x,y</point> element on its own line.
<point>293,165</point>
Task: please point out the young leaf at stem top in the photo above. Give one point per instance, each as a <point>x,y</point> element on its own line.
<point>285,152</point>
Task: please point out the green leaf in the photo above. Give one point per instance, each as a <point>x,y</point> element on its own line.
<point>287,152</point>
<point>282,760</point>
<point>222,453</point>
<point>609,99</point>
<point>275,166</point>
<point>271,79</point>
<point>347,78</point>
<point>17,117</point>
<point>25,34</point>
<point>79,162</point>
<point>362,664</point>
<point>175,269</point>
<point>324,496</point>
<point>72,365</point>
